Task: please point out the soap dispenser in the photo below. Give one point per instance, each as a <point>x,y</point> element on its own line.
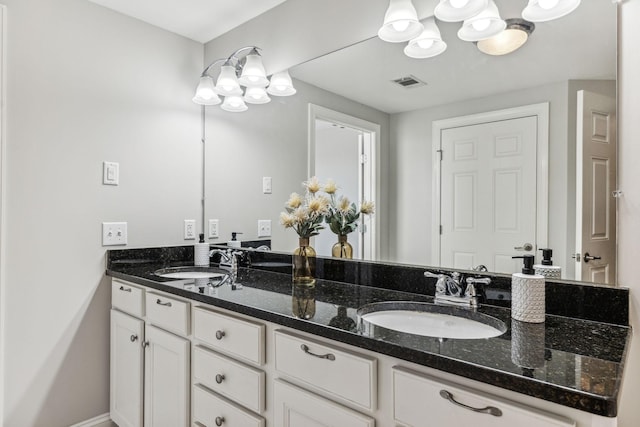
<point>201,252</point>
<point>527,293</point>
<point>233,243</point>
<point>546,267</point>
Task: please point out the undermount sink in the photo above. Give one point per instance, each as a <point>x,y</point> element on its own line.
<point>429,320</point>
<point>190,272</point>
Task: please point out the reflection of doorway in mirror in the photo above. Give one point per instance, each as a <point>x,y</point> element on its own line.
<point>596,171</point>
<point>490,194</point>
<point>342,148</point>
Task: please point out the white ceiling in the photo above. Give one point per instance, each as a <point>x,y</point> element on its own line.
<point>199,20</point>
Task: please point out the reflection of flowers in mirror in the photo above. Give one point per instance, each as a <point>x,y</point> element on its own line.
<point>305,213</point>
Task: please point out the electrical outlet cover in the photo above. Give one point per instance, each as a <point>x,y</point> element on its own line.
<point>189,229</point>
<point>114,233</point>
<point>264,228</point>
<point>214,228</point>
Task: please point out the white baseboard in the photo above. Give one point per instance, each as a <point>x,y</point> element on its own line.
<point>94,422</point>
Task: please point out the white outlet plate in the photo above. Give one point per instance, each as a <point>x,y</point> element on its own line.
<point>264,228</point>
<point>266,185</point>
<point>189,229</point>
<point>214,228</point>
<point>114,233</point>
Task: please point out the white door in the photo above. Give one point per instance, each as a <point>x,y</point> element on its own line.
<point>166,390</point>
<point>595,185</point>
<point>127,364</point>
<point>488,194</point>
<point>295,407</point>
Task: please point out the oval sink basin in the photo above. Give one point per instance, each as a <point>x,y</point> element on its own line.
<point>429,320</point>
<point>190,272</point>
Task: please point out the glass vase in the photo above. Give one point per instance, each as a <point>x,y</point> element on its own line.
<point>303,301</point>
<point>304,264</point>
<point>342,249</point>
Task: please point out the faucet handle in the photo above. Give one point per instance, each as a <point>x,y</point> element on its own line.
<point>434,275</point>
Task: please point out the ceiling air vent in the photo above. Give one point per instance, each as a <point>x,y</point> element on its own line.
<point>409,82</point>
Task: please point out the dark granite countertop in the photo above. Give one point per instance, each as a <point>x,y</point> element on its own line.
<point>570,361</point>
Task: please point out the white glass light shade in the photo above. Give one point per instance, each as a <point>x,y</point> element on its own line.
<point>427,44</point>
<point>281,84</point>
<point>234,104</point>
<point>511,39</point>
<point>253,73</point>
<point>459,10</point>
<point>256,95</point>
<point>227,83</point>
<point>546,10</point>
<point>400,22</point>
<point>482,26</point>
<point>205,92</point>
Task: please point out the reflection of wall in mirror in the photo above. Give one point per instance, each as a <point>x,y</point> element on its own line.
<point>411,167</point>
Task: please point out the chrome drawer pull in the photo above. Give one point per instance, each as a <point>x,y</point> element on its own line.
<point>219,421</point>
<point>220,335</point>
<point>219,378</point>
<point>133,338</point>
<point>122,288</point>
<point>166,304</point>
<point>327,356</point>
<point>491,410</point>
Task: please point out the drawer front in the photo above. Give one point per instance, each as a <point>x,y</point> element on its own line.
<point>337,371</point>
<point>238,382</point>
<point>241,338</point>
<point>168,313</point>
<point>295,407</point>
<point>128,298</point>
<point>211,410</point>
<point>418,397</point>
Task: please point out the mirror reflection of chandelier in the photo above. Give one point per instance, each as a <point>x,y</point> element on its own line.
<point>242,80</point>
<point>481,24</point>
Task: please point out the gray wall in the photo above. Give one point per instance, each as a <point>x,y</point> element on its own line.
<point>84,85</point>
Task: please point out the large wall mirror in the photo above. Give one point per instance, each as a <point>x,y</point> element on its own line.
<point>568,65</point>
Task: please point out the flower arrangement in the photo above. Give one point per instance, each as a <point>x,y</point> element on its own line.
<point>343,215</point>
<point>305,214</point>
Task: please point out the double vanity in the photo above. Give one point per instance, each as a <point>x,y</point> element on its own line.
<point>360,350</point>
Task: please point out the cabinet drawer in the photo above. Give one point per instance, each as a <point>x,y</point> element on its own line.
<point>230,335</point>
<point>295,407</point>
<point>127,298</point>
<point>241,383</point>
<point>211,410</point>
<point>337,371</point>
<point>418,397</point>
<point>168,313</point>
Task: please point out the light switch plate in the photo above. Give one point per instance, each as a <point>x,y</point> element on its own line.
<point>114,233</point>
<point>266,185</point>
<point>264,228</point>
<point>110,173</point>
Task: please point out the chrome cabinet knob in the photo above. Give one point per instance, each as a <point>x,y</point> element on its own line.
<point>220,335</point>
<point>219,378</point>
<point>133,338</point>
<point>219,421</point>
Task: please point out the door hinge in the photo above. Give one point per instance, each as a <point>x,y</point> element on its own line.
<point>439,152</point>
<point>441,230</point>
<point>363,159</point>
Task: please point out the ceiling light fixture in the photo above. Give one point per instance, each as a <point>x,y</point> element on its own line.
<point>482,26</point>
<point>459,10</point>
<point>546,10</point>
<point>242,68</point>
<point>427,44</point>
<point>400,22</point>
<point>512,38</point>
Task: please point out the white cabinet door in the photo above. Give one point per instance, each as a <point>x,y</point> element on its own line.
<point>166,399</point>
<point>295,407</point>
<point>418,398</point>
<point>127,359</point>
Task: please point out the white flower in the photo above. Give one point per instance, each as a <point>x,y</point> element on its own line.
<point>313,185</point>
<point>367,208</point>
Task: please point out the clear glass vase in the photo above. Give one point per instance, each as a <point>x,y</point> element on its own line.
<point>342,249</point>
<point>304,264</point>
<point>303,301</point>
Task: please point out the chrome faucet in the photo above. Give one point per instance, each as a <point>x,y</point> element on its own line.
<point>449,288</point>
<point>228,261</point>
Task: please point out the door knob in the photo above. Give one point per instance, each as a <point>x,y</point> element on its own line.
<point>526,247</point>
<point>588,257</point>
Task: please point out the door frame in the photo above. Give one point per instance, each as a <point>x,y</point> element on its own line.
<point>541,111</point>
<point>3,121</point>
<point>323,113</point>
